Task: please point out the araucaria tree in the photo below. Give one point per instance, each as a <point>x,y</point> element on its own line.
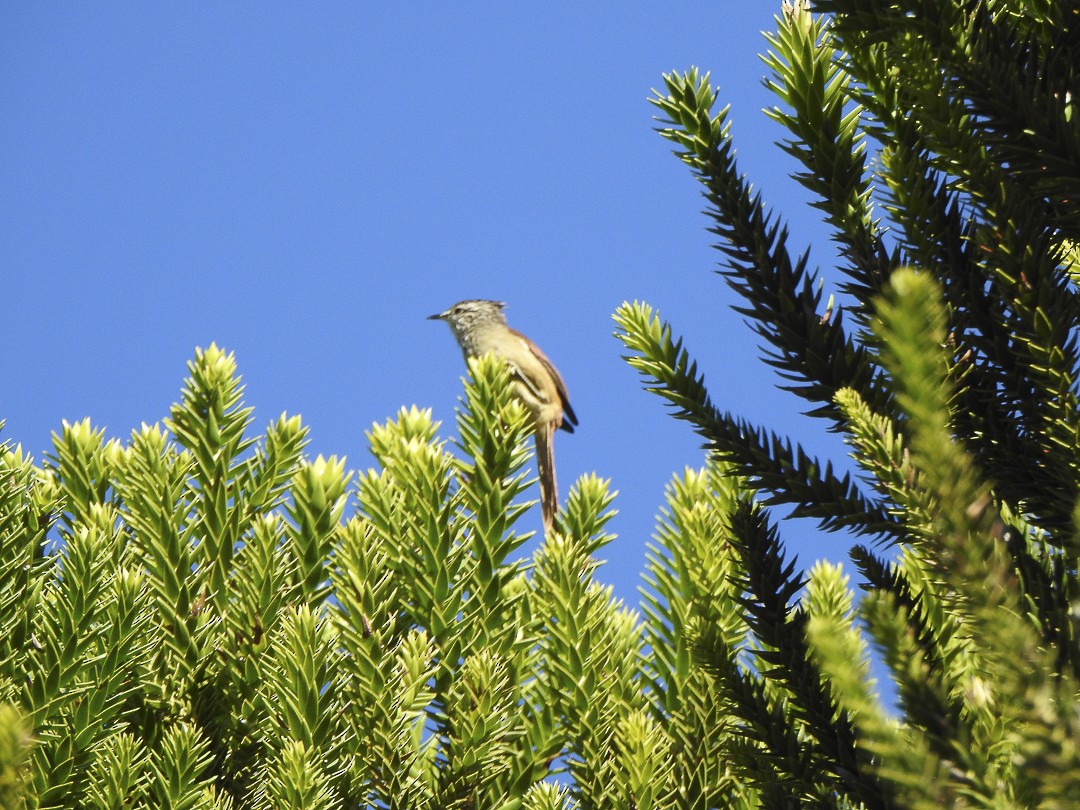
<point>941,141</point>
<point>199,618</point>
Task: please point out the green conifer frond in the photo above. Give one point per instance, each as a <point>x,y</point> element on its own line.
<point>962,407</point>
<point>118,775</point>
<point>592,646</point>
<point>692,584</point>
<point>213,632</point>
<point>177,769</point>
<point>973,103</point>
<point>14,747</point>
<point>1006,63</point>
<point>912,331</point>
<point>299,691</point>
<point>690,575</point>
<point>770,584</point>
<point>479,733</point>
<point>772,463</point>
<point>318,502</point>
<point>783,303</point>
<point>546,796</point>
<point>30,501</point>
<point>296,778</point>
<point>829,139</point>
<point>82,463</point>
<point>973,561</point>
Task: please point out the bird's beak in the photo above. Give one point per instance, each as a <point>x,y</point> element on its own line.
<point>438,316</point>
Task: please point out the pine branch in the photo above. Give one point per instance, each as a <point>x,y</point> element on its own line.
<point>770,585</point>
<point>764,747</point>
<point>772,463</point>
<point>838,649</point>
<point>810,345</point>
<point>829,140</point>
<point>916,648</point>
<point>691,582</point>
<point>971,91</point>
<point>1007,67</point>
<point>29,503</point>
<point>973,560</point>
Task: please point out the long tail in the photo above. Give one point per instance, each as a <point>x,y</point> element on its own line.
<point>545,463</point>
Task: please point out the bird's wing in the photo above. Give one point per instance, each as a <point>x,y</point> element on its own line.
<point>560,384</point>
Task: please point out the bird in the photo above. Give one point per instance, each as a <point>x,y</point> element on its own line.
<point>480,327</point>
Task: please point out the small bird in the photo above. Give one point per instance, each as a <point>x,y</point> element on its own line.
<point>480,328</point>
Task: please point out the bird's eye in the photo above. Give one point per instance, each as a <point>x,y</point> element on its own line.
<point>458,310</point>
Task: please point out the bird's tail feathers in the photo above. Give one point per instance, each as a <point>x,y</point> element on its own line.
<point>545,463</point>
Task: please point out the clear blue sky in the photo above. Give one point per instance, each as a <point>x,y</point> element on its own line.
<point>303,183</point>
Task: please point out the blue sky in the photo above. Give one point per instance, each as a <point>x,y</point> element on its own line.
<point>304,183</point>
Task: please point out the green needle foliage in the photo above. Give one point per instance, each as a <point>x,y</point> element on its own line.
<point>940,142</point>
<point>202,616</point>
